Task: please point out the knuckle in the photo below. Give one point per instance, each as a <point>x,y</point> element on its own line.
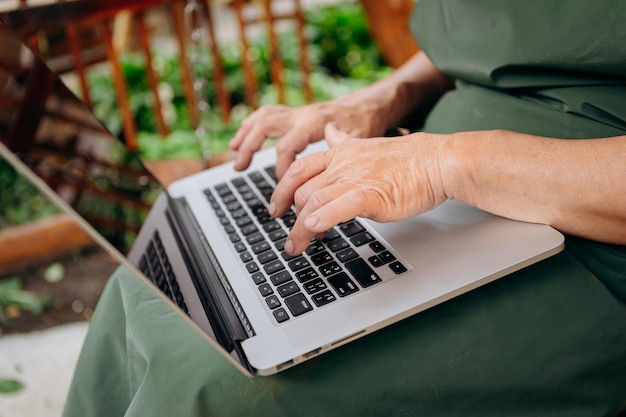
<point>301,197</point>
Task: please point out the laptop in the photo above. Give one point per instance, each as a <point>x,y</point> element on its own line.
<point>208,246</point>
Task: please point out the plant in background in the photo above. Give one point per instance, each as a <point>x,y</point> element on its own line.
<point>20,201</point>
<point>343,57</point>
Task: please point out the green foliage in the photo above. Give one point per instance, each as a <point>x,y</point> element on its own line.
<point>20,201</point>
<point>13,296</point>
<point>341,51</point>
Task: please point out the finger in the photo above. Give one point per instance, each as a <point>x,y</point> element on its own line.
<point>269,127</point>
<point>299,172</point>
<point>325,209</point>
<point>334,136</point>
<point>247,124</point>
<point>287,150</point>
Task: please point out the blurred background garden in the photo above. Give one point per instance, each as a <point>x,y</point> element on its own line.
<point>339,54</point>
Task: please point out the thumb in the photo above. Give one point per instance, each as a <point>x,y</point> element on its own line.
<point>334,136</point>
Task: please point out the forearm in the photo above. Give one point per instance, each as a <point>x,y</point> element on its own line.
<point>577,186</point>
<point>416,84</point>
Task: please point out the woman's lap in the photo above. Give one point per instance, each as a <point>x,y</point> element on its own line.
<point>547,340</point>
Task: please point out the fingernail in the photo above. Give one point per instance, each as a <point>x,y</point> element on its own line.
<point>312,221</point>
<point>289,247</point>
<point>272,209</point>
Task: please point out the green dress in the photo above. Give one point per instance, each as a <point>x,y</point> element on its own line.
<point>549,340</point>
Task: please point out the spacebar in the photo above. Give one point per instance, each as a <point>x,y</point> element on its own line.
<point>362,272</point>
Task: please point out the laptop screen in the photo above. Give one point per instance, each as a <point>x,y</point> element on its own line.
<point>56,135</point>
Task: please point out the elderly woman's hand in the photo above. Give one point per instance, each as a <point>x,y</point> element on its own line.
<point>384,179</point>
<point>298,127</point>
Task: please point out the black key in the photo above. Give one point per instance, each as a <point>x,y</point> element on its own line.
<point>273,302</point>
<point>267,256</point>
<point>234,206</point>
<point>343,284</point>
<point>323,298</point>
<point>270,226</point>
<point>254,238</point>
<point>314,286</point>
<point>286,256</point>
<point>346,255</point>
<point>243,189</point>
<point>321,258</point>
<point>306,274</point>
<point>224,221</point>
<point>240,247</point>
<point>258,278</point>
<point>289,221</point>
<point>237,181</point>
<point>234,237</point>
<point>351,228</point>
<point>247,196</point>
<point>265,289</point>
<point>273,267</point>
<point>252,267</point>
<point>331,235</point>
<point>229,229</point>
<point>298,304</point>
<point>375,261</point>
<point>337,244</point>
<point>377,247</point>
<point>397,267</point>
<point>330,268</point>
<point>271,171</point>
<point>280,315</point>
<point>280,278</point>
<point>361,271</point>
<point>280,244</point>
<point>264,218</point>
<point>242,221</point>
<point>361,239</point>
<point>255,176</point>
<point>228,198</point>
<point>260,247</point>
<point>277,235</point>
<point>245,257</point>
<point>209,194</point>
<point>386,257</point>
<point>222,189</point>
<point>298,264</point>
<point>249,229</point>
<point>288,289</point>
<point>314,247</point>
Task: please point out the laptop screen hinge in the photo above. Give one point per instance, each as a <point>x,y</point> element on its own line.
<point>207,274</point>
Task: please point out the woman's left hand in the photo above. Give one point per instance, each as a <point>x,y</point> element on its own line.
<point>383,179</point>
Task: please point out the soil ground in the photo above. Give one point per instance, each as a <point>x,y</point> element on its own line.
<point>72,299</point>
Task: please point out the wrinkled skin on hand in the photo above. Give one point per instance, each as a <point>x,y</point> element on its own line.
<point>383,179</point>
<point>300,126</point>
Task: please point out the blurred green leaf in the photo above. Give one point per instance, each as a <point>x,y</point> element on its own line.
<point>10,386</point>
<point>11,294</point>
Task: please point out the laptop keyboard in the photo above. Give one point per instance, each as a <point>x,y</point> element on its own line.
<point>155,265</point>
<point>349,259</point>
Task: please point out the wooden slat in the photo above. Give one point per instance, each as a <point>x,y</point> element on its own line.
<point>153,82</point>
<point>74,46</point>
<point>121,91</point>
<point>40,241</point>
<point>250,80</point>
<point>276,63</point>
